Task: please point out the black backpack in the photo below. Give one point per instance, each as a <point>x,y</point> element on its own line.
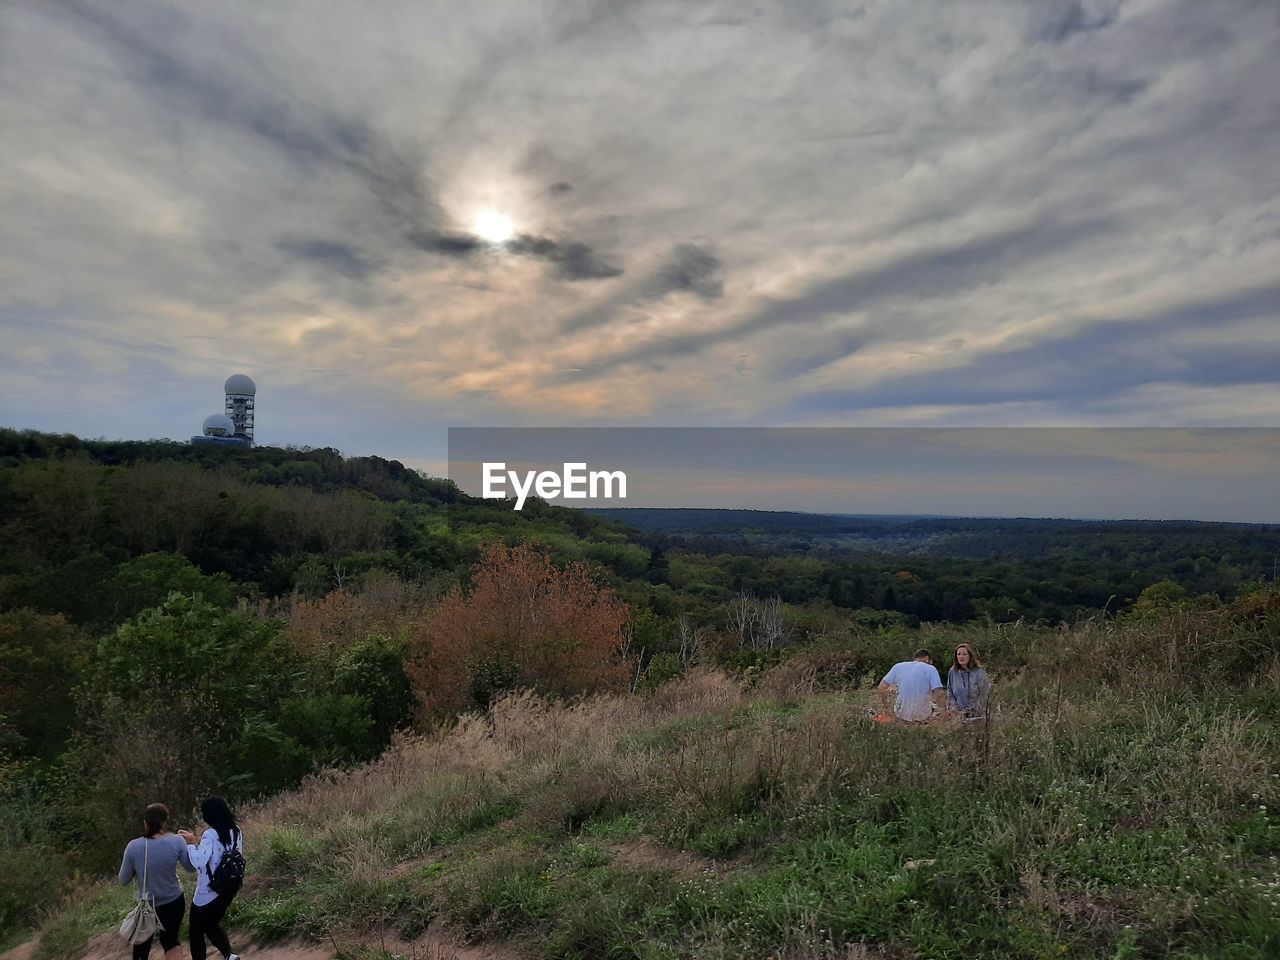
<point>228,878</point>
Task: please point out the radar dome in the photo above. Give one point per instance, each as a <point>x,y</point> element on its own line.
<point>241,385</point>
<point>219,425</point>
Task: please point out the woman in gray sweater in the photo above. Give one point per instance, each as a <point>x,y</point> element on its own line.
<point>152,859</point>
<point>968,689</point>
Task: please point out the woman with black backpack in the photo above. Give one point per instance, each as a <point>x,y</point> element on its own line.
<point>218,858</point>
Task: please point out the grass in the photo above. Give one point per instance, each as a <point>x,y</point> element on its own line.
<point>1126,826</point>
<point>98,909</point>
<point>1113,811</point>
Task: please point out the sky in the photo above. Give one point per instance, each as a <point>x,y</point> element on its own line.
<point>723,214</point>
<point>1079,473</point>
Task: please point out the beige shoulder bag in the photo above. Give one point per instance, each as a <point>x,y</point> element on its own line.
<point>141,923</point>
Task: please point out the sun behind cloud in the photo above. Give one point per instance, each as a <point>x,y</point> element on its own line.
<point>494,227</point>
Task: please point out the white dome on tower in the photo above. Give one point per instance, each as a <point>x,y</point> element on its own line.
<point>219,425</point>
<point>240,385</point>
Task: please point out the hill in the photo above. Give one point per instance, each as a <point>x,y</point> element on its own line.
<point>176,620</point>
<point>1117,806</point>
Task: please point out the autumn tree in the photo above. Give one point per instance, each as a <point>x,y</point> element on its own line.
<point>375,604</point>
<point>524,622</point>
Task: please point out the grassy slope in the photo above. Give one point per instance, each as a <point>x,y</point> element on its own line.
<point>1104,815</point>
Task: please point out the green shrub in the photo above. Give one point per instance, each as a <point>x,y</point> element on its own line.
<point>33,879</point>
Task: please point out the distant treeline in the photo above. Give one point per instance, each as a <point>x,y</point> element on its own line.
<point>97,530</point>
<point>1005,568</point>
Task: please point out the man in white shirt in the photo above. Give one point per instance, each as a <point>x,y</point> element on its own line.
<point>918,683</point>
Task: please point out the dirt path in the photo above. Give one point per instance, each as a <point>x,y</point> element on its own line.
<point>432,945</point>
<point>408,866</point>
<point>436,945</point>
<point>647,855</point>
<point>21,952</point>
<point>107,946</point>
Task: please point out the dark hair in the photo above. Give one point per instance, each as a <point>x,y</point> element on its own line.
<point>154,818</point>
<point>922,653</point>
<point>218,815</point>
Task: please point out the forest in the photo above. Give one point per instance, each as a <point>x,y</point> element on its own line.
<point>178,618</point>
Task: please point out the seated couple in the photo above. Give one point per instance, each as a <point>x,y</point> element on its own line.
<point>920,696</point>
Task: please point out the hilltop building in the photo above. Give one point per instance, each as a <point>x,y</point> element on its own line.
<point>235,426</point>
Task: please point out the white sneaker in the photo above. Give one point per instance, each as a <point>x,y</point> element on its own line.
<point>233,956</point>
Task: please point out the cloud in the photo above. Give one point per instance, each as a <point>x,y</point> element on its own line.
<point>1097,362</point>
<point>452,244</point>
<point>314,135</point>
<point>333,254</point>
<point>1060,20</point>
<point>573,260</point>
<point>799,213</point>
<point>686,268</point>
<point>690,268</point>
<point>923,274</point>
<point>238,92</point>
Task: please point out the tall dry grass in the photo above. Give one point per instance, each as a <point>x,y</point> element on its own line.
<point>702,749</point>
<point>520,728</point>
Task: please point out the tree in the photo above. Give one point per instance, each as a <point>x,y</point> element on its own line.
<point>171,690</point>
<point>1159,597</point>
<point>61,503</point>
<point>147,580</point>
<point>659,566</point>
<point>523,622</point>
<point>41,657</point>
<point>759,624</point>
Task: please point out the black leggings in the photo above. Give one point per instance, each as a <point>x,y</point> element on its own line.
<point>170,917</point>
<point>206,921</point>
